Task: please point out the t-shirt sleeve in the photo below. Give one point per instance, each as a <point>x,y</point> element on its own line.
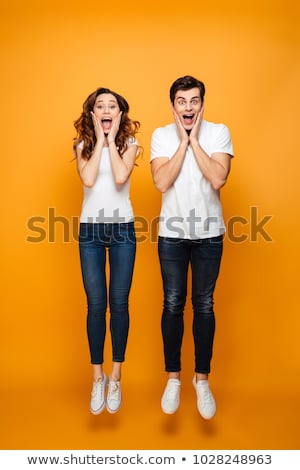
<point>159,145</point>
<point>133,141</point>
<point>80,145</point>
<point>223,141</point>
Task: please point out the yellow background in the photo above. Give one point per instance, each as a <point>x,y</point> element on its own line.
<point>53,54</point>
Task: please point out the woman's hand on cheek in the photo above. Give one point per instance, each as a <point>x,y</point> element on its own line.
<point>114,128</point>
<point>97,127</point>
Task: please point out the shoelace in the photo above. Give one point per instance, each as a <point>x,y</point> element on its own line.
<point>114,390</point>
<point>206,396</point>
<point>98,388</point>
<point>172,391</point>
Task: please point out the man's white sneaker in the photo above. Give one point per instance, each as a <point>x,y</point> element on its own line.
<point>205,401</point>
<point>171,397</point>
<point>114,396</point>
<point>97,404</point>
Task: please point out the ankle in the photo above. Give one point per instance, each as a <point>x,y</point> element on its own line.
<point>114,378</point>
<point>99,378</point>
<point>174,375</point>
<point>201,377</point>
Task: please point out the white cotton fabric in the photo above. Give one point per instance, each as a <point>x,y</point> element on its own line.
<point>106,201</point>
<point>191,208</point>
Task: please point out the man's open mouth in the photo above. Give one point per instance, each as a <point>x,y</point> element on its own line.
<point>188,119</point>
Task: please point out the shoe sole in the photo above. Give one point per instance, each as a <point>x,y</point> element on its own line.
<point>112,412</point>
<point>98,412</point>
<point>169,412</point>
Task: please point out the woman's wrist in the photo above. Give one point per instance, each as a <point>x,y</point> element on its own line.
<point>100,142</point>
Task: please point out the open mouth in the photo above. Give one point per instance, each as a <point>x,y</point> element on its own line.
<point>188,119</point>
<point>106,123</point>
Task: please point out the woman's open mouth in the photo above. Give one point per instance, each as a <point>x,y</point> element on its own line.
<point>106,123</point>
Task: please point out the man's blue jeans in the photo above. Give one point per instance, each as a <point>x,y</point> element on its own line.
<point>204,256</point>
<point>94,240</point>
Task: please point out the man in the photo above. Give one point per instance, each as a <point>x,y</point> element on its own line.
<point>190,162</point>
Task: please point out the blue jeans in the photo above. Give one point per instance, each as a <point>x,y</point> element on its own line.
<point>204,256</point>
<point>94,240</point>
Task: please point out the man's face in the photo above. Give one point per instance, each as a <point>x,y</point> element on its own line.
<point>187,104</point>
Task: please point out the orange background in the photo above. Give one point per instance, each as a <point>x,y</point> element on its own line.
<point>54,54</point>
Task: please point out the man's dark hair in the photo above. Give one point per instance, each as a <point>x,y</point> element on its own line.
<point>186,83</point>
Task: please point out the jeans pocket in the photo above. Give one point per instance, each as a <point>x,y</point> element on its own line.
<point>86,233</point>
<point>126,233</point>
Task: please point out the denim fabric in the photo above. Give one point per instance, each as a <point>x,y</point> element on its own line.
<point>204,256</point>
<point>120,242</point>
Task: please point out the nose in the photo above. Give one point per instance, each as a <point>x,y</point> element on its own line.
<point>188,106</point>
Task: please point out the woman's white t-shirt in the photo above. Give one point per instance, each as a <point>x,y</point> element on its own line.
<point>106,201</point>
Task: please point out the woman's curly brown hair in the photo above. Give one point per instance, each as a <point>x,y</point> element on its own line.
<point>85,128</point>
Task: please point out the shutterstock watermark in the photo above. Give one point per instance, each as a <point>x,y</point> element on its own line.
<point>55,228</point>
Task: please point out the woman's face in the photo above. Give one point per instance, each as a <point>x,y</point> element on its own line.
<point>106,109</point>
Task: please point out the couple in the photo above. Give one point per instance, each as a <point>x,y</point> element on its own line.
<point>190,162</point>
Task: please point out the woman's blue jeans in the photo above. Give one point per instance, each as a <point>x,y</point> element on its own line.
<point>204,256</point>
<point>120,242</point>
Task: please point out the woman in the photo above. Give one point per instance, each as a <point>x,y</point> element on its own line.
<point>106,150</point>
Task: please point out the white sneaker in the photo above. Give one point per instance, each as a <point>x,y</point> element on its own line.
<point>97,404</point>
<point>171,396</point>
<point>205,401</point>
<point>114,396</point>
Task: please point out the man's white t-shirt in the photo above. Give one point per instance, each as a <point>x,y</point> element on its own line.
<point>106,201</point>
<point>191,208</point>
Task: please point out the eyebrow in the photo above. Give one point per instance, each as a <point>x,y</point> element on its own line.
<point>182,98</point>
<point>110,101</point>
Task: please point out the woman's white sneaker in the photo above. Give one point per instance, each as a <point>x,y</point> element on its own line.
<point>97,404</point>
<point>114,396</point>
<point>171,397</point>
<point>205,401</point>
